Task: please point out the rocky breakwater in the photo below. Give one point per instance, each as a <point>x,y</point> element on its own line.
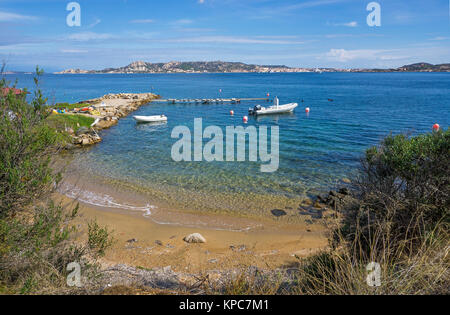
<point>107,110</point>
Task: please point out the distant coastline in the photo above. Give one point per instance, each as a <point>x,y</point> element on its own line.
<point>141,67</point>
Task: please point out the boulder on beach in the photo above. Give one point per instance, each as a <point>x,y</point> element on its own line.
<point>194,238</point>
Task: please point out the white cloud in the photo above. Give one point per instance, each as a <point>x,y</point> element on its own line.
<point>343,55</point>
<point>301,5</point>
<point>195,29</point>
<point>95,23</point>
<point>201,1</point>
<point>439,38</point>
<point>351,24</point>
<point>143,21</point>
<point>372,55</point>
<point>235,40</point>
<point>73,51</point>
<point>183,22</point>
<point>87,36</point>
<point>12,17</point>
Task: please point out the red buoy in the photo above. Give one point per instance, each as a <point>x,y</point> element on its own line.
<point>231,112</point>
<point>268,94</point>
<point>307,110</point>
<point>245,119</point>
<point>436,127</point>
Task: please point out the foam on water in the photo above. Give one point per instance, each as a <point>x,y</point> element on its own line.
<point>103,200</point>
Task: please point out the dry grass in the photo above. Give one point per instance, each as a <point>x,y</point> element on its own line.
<point>341,271</point>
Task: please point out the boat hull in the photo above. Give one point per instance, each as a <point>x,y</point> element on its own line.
<point>149,119</point>
<point>288,108</point>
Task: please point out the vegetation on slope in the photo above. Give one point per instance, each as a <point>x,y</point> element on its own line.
<point>37,239</point>
<point>69,106</point>
<point>63,121</point>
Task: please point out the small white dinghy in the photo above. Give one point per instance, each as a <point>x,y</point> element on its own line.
<point>275,109</point>
<point>149,119</point>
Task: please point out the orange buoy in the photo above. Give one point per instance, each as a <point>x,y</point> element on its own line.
<point>436,127</point>
<point>245,119</point>
<point>307,110</point>
<point>268,94</point>
<point>231,112</point>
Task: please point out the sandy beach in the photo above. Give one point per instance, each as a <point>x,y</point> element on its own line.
<point>140,242</point>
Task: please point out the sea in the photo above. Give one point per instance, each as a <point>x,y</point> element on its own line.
<point>349,112</point>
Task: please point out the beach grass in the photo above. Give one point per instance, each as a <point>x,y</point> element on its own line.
<point>63,121</point>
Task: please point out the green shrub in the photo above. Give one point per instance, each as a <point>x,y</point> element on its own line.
<point>26,146</point>
<point>403,192</point>
<point>36,250</point>
<point>399,219</point>
<point>37,239</point>
<point>99,238</point>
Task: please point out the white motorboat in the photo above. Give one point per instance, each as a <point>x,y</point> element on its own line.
<point>148,119</point>
<point>275,109</point>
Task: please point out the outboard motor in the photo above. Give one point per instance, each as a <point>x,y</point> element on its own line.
<point>253,110</point>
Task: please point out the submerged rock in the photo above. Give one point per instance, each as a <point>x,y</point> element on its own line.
<point>278,212</point>
<point>194,238</point>
<point>307,202</point>
<point>318,205</point>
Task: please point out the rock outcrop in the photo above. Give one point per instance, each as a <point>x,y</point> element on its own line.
<point>327,206</point>
<point>107,110</point>
<point>86,139</point>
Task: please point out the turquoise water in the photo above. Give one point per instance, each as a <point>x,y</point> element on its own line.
<point>316,150</point>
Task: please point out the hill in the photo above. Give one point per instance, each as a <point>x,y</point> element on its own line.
<point>184,67</point>
<point>426,67</point>
<point>239,67</point>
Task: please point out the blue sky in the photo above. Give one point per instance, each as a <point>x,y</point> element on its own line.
<point>301,33</point>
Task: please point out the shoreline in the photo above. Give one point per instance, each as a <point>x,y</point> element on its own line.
<point>113,197</point>
<point>142,243</point>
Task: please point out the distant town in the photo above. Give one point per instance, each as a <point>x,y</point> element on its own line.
<point>239,67</point>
